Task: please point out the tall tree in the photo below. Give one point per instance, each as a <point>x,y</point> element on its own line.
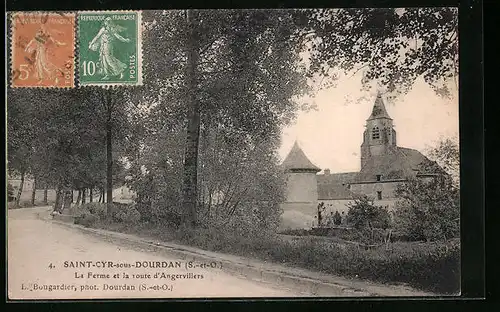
<point>429,208</point>
<point>69,148</point>
<point>21,134</point>
<point>190,183</point>
<point>233,68</point>
<point>109,148</point>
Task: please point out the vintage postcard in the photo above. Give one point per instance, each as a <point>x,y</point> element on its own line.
<point>109,48</point>
<point>270,153</point>
<point>42,49</point>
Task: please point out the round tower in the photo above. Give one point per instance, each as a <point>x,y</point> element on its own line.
<point>301,196</point>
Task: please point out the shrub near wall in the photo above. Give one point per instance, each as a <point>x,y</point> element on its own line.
<point>90,214</point>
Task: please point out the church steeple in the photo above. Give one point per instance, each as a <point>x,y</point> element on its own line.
<point>378,110</point>
<point>379,137</point>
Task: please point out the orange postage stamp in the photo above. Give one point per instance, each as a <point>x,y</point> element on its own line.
<point>43,49</point>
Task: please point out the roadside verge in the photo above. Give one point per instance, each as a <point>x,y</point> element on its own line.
<point>307,282</point>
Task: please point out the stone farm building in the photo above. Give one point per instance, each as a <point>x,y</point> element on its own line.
<point>384,165</point>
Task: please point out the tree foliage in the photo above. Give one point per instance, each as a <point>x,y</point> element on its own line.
<point>245,80</point>
<point>20,130</point>
<point>391,46</point>
<point>248,69</point>
<point>363,214</point>
<point>446,153</point>
<point>247,74</point>
<point>429,208</point>
<point>58,136</point>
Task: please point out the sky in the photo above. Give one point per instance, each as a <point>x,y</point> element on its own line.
<point>332,135</point>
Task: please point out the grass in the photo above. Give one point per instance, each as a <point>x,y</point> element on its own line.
<point>431,267</point>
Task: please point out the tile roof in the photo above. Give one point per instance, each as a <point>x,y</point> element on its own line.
<point>343,177</point>
<point>400,163</point>
<point>297,160</point>
<point>334,186</point>
<point>334,191</point>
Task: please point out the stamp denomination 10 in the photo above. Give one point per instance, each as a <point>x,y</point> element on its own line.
<point>109,45</point>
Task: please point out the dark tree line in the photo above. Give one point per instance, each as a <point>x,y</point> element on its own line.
<point>60,138</point>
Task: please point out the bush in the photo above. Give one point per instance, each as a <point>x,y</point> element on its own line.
<point>126,213</point>
<point>86,218</point>
<point>98,209</point>
<point>364,214</point>
<point>337,219</point>
<point>428,210</point>
<point>430,267</point>
<point>90,213</point>
<point>10,193</point>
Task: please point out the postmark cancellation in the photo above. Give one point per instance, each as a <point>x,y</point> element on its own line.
<point>42,49</point>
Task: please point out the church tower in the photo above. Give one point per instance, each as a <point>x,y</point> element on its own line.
<point>379,137</point>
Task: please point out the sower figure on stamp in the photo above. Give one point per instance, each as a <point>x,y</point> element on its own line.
<point>39,46</point>
<point>109,64</point>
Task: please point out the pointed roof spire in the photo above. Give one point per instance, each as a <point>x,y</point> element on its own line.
<point>297,160</point>
<point>379,110</point>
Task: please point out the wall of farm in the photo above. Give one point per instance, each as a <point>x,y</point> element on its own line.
<point>388,189</point>
<point>297,215</point>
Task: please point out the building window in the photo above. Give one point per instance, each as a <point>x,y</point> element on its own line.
<point>379,195</point>
<point>378,177</point>
<point>376,133</point>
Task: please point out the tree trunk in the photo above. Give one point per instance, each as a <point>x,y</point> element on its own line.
<point>109,153</point>
<point>45,195</point>
<point>190,180</point>
<point>72,196</point>
<point>83,196</point>
<point>90,194</point>
<point>58,203</point>
<point>79,197</point>
<point>33,192</point>
<point>20,190</point>
<point>101,195</point>
<point>67,201</point>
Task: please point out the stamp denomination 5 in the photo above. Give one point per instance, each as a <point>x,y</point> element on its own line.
<point>42,49</point>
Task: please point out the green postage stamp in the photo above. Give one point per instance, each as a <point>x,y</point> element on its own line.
<point>109,45</point>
